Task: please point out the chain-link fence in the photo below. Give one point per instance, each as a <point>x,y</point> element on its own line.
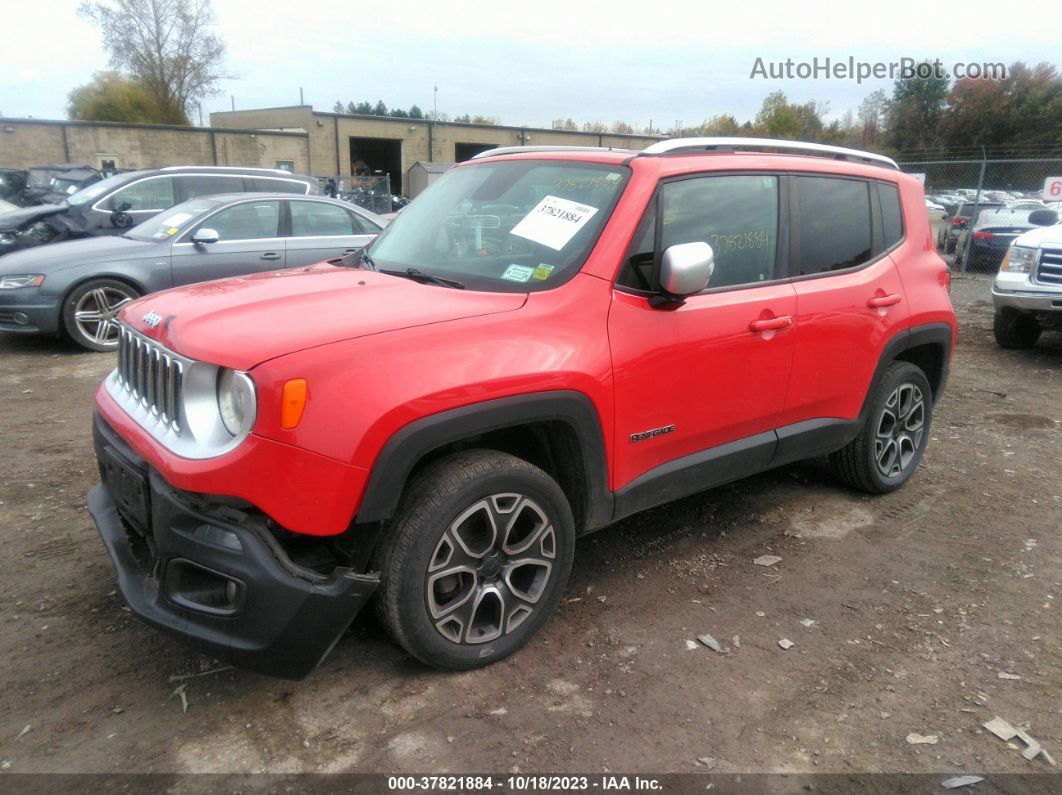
<point>978,207</point>
<point>372,192</point>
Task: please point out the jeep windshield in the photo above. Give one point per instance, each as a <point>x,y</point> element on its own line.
<point>509,226</point>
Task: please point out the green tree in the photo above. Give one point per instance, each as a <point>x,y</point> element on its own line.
<point>380,109</point>
<point>778,119</point>
<point>111,97</point>
<point>916,111</point>
<point>415,112</point>
<point>338,107</point>
<point>873,115</point>
<point>622,127</point>
<point>397,113</point>
<point>165,45</point>
<point>466,119</point>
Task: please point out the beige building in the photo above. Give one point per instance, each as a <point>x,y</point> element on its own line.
<point>296,138</point>
<point>344,145</point>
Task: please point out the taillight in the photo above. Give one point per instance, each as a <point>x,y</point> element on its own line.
<point>959,220</point>
<point>983,236</point>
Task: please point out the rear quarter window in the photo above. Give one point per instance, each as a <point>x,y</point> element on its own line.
<point>891,213</point>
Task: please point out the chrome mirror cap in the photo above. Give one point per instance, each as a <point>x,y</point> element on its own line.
<point>686,268</point>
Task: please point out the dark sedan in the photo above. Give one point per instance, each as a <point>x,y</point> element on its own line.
<point>76,288</point>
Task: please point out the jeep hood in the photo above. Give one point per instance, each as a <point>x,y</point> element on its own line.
<point>245,321</point>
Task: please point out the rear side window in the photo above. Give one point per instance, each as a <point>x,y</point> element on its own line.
<point>267,185</point>
<point>317,219</point>
<point>832,224</point>
<point>208,185</point>
<point>891,215</point>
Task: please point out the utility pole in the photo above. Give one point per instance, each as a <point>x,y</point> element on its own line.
<point>232,98</point>
<point>301,101</point>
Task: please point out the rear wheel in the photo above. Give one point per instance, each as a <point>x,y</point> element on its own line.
<point>1014,329</point>
<point>893,438</point>
<point>90,313</point>
<point>476,559</point>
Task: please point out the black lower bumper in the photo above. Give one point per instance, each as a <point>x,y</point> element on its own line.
<point>222,585</point>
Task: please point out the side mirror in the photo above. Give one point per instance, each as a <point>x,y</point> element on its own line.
<point>205,236</point>
<point>1043,217</point>
<point>686,268</point>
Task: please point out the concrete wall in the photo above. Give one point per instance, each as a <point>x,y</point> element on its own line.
<point>30,142</point>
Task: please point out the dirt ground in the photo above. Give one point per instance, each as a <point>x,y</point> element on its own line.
<point>919,600</point>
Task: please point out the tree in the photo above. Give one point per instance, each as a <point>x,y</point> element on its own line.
<point>415,112</point>
<point>397,113</point>
<point>1020,111</point>
<point>916,110</point>
<point>365,108</point>
<point>165,45</point>
<point>595,127</point>
<point>622,128</point>
<point>777,118</point>
<point>338,107</point>
<point>477,119</point>
<point>380,109</point>
<point>874,116</point>
<point>111,97</point>
<point>466,119</point>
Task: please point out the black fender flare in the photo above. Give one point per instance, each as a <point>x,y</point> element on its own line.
<point>412,442</point>
<point>930,333</point>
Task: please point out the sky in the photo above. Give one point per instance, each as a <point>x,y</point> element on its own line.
<point>667,61</point>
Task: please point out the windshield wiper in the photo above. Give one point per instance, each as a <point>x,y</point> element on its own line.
<point>425,278</point>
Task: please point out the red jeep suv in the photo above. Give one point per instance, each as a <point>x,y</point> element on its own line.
<point>544,342</point>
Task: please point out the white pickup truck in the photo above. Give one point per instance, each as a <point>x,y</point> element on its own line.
<point>1027,292</point>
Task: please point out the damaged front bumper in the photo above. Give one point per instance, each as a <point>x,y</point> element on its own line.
<point>215,576</point>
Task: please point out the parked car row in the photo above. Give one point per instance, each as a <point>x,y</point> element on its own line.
<point>145,231</point>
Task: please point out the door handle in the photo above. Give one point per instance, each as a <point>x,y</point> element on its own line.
<point>771,323</point>
<point>882,301</point>
<point>350,250</point>
<point>270,256</point>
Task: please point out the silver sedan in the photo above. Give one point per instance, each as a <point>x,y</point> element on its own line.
<point>76,288</point>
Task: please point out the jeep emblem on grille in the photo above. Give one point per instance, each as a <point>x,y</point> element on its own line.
<point>152,318</point>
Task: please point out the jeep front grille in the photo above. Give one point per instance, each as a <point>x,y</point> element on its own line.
<point>1049,271</point>
<point>151,375</point>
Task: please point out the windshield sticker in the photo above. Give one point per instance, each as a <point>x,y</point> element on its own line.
<point>177,219</point>
<point>542,272</point>
<point>172,230</point>
<point>554,221</point>
<point>518,273</point>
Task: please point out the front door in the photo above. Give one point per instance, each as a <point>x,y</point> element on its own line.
<point>714,370</point>
<point>249,241</point>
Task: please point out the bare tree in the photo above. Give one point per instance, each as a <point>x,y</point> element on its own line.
<point>165,45</point>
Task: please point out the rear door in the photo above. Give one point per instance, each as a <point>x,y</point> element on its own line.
<point>849,296</point>
<point>323,230</point>
<point>249,241</point>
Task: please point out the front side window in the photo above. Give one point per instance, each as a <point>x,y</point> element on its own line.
<point>508,226</point>
<point>832,224</point>
<point>149,194</point>
<point>736,215</point>
<point>317,219</point>
<point>247,221</point>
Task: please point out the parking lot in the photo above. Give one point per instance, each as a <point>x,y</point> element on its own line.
<point>904,610</point>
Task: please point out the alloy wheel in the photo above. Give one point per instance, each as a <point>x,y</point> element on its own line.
<point>900,428</point>
<point>490,568</point>
<point>96,311</point>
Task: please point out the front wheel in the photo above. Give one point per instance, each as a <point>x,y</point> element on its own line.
<point>90,313</point>
<point>476,559</point>
<point>1014,329</point>
<point>893,438</point>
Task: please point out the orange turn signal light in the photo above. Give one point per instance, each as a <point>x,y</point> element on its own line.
<point>292,402</point>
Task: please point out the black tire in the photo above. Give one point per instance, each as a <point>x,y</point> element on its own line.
<point>447,620</point>
<point>866,462</point>
<point>1014,329</point>
<point>85,299</point>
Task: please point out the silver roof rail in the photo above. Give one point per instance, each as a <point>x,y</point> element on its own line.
<point>229,168</point>
<point>691,145</point>
<point>514,150</point>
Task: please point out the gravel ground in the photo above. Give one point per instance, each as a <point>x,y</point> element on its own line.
<point>904,611</point>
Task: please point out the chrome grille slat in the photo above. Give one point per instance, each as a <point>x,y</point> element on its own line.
<point>1049,271</point>
<point>151,375</point>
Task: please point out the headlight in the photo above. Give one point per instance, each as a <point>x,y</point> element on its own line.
<point>21,280</point>
<point>1019,259</point>
<point>236,401</point>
